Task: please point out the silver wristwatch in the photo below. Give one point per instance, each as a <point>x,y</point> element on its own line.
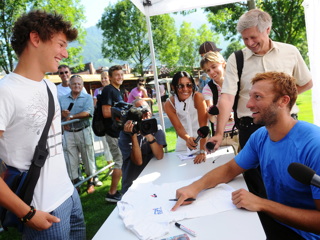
<point>202,151</point>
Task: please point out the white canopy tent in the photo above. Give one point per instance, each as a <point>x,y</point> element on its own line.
<point>312,16</point>
<point>312,8</point>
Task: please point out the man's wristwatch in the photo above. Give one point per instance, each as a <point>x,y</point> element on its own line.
<point>202,151</point>
<point>71,116</point>
<point>153,141</point>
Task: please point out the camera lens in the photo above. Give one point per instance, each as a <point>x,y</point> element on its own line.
<point>148,126</point>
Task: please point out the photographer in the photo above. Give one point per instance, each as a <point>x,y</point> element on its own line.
<point>137,150</point>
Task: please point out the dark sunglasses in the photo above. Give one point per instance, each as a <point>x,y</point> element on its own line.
<point>188,85</point>
<point>141,84</point>
<point>65,72</point>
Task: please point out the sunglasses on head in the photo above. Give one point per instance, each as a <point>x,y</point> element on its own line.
<point>76,76</point>
<point>65,72</point>
<point>188,85</point>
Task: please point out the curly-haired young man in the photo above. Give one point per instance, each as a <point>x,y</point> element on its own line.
<point>40,40</point>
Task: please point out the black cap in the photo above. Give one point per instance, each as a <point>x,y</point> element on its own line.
<point>207,47</point>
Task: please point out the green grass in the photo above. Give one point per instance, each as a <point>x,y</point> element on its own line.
<point>304,103</point>
<point>96,209</point>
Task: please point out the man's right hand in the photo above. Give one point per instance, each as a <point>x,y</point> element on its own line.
<point>182,194</point>
<point>128,126</point>
<point>217,140</point>
<point>65,113</point>
<point>42,220</point>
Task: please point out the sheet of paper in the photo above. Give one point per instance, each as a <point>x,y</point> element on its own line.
<point>185,156</point>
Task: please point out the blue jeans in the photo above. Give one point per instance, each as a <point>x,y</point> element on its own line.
<point>71,225</point>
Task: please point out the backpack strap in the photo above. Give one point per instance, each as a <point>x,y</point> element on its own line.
<point>214,90</point>
<point>240,62</point>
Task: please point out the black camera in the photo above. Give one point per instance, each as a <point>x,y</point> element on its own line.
<point>121,112</point>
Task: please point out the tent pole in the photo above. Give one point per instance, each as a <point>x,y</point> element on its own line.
<point>155,73</point>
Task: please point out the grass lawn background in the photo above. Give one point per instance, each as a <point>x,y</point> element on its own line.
<point>96,209</point>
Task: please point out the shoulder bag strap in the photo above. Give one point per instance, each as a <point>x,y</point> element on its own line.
<point>239,60</point>
<point>214,90</point>
<point>39,157</point>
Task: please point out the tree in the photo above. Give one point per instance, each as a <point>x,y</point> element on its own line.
<point>189,41</point>
<point>125,35</point>
<point>205,34</point>
<point>288,20</point>
<point>188,46</point>
<point>10,10</point>
<point>168,49</point>
<point>232,47</point>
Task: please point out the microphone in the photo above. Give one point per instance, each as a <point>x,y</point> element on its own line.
<point>202,133</point>
<point>304,174</point>
<point>210,146</point>
<point>213,110</point>
<point>70,106</point>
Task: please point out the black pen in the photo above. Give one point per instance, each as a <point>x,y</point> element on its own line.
<point>186,200</point>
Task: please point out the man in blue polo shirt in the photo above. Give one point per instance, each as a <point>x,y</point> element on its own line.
<point>78,136</point>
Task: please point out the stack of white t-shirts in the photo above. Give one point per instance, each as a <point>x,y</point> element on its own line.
<point>146,209</point>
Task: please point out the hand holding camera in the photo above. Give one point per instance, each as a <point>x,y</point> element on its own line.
<point>124,112</point>
<point>128,127</point>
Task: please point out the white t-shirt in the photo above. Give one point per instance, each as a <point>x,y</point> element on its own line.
<point>65,90</point>
<point>23,115</point>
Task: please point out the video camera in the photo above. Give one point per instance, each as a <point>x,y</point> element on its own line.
<point>121,112</point>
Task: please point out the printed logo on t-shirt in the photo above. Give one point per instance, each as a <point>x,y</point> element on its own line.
<point>36,115</point>
<point>157,211</point>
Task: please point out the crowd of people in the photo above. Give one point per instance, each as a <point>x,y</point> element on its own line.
<point>251,108</point>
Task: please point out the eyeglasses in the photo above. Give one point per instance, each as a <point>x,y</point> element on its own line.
<point>188,85</point>
<point>65,72</point>
<point>141,84</point>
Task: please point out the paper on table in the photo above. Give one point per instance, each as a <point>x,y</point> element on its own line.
<point>186,156</point>
<point>146,209</point>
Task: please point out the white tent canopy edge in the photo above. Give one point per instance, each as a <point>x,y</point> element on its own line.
<point>312,17</point>
<point>168,6</point>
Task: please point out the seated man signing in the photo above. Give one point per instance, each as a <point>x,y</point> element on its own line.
<point>137,150</point>
<point>274,147</point>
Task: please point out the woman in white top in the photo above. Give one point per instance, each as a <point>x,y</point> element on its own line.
<point>187,113</point>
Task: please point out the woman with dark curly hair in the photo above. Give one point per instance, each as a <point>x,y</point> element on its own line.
<point>187,113</point>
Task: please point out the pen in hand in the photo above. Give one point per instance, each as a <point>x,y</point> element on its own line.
<point>186,200</point>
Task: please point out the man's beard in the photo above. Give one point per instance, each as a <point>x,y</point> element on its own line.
<point>268,117</point>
